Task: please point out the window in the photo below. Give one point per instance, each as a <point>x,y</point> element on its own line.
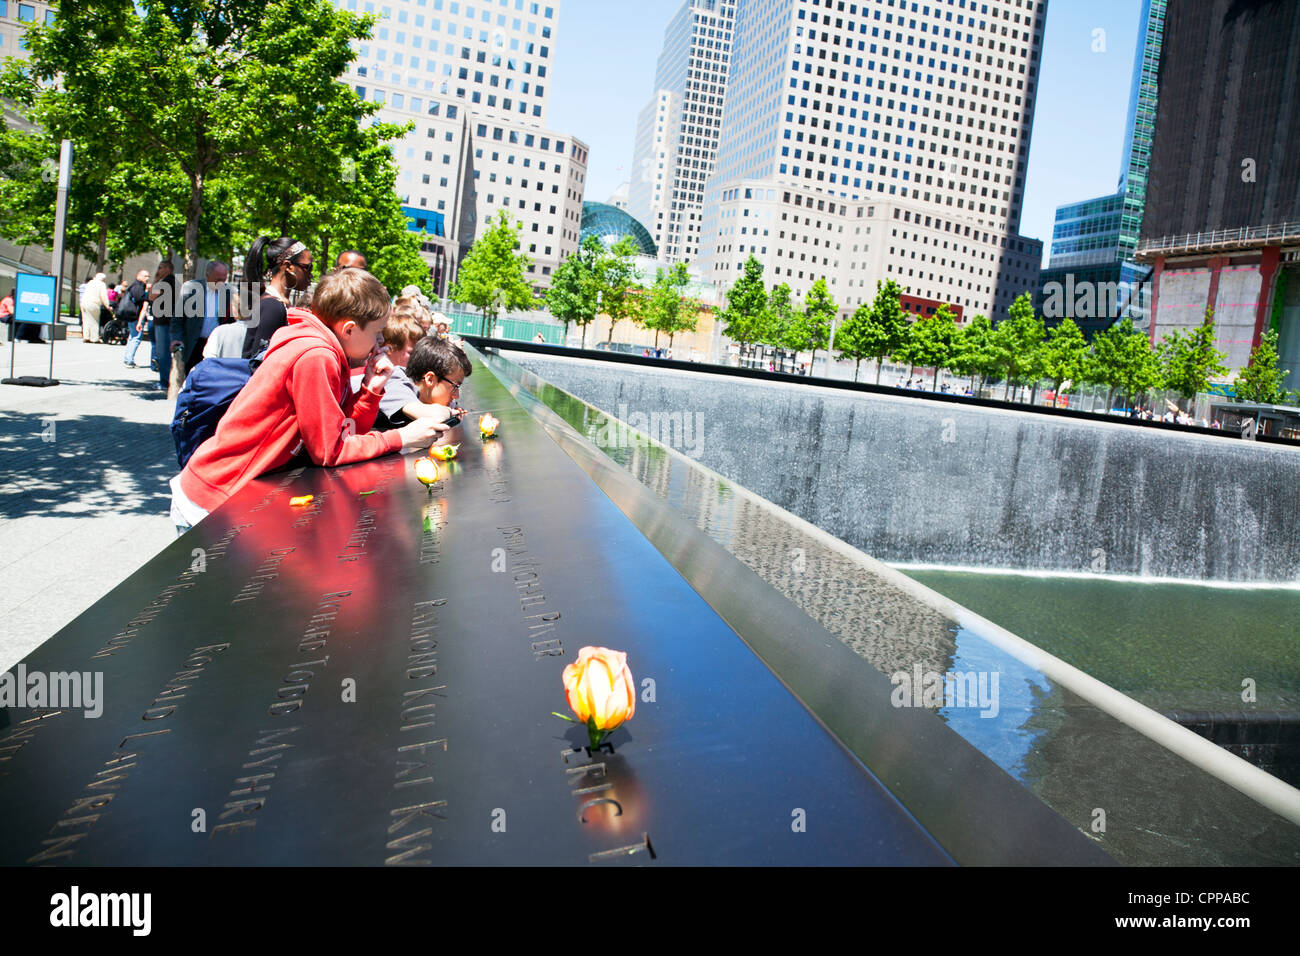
<point>26,13</point>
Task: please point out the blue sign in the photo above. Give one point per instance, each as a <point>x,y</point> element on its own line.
<point>35,298</point>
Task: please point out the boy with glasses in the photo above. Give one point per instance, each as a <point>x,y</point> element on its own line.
<point>430,388</point>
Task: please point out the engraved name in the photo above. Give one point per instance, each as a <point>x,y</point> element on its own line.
<point>249,793</point>
<point>265,573</point>
<point>86,810</point>
<point>413,779</point>
<point>526,576</point>
<point>185,580</point>
<point>365,527</point>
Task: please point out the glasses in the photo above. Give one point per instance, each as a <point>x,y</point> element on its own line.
<point>455,386</point>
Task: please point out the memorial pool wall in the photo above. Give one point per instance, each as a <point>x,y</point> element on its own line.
<point>913,481</point>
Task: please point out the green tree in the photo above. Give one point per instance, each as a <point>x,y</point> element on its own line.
<point>621,293</point>
<point>973,353</point>
<point>934,342</point>
<point>745,316</point>
<point>851,338</point>
<point>811,327</point>
<point>779,320</point>
<point>886,330</point>
<point>1189,359</point>
<point>206,87</point>
<point>1016,344</point>
<point>1065,354</point>
<point>668,310</point>
<point>1122,358</point>
<point>347,201</point>
<point>1261,380</point>
<point>574,285</point>
<point>491,276</point>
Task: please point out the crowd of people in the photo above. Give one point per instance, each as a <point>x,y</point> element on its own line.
<point>342,371</point>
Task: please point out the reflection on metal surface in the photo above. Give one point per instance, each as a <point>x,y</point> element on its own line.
<point>362,686</point>
<point>1065,749</point>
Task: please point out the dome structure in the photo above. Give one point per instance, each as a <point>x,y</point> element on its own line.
<point>609,224</point>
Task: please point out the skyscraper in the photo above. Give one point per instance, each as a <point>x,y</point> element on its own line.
<point>1221,226</point>
<point>677,132</point>
<point>1093,241</point>
<point>881,139</point>
<point>473,76</point>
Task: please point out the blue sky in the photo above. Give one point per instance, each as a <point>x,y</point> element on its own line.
<point>604,73</point>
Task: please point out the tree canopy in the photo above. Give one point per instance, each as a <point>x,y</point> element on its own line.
<point>745,316</point>
<point>574,286</point>
<point>199,124</point>
<point>1261,380</point>
<point>1188,358</point>
<point>491,277</point>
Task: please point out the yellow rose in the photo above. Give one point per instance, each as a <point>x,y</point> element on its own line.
<point>427,470</point>
<point>443,452</point>
<point>600,690</point>
<point>487,425</point>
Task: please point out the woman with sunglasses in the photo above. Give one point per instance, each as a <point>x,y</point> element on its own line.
<point>279,266</point>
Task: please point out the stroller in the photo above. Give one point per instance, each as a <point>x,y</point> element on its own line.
<point>112,330</point>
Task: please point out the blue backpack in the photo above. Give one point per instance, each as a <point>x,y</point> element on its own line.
<point>208,392</point>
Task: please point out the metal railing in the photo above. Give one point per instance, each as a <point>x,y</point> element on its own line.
<point>1223,237</point>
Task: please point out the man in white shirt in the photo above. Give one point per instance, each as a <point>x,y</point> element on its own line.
<point>94,296</point>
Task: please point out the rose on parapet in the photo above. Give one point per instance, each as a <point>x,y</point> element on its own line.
<point>600,691</point>
<point>427,470</point>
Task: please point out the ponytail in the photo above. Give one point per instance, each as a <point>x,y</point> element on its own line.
<point>267,257</point>
<point>254,266</point>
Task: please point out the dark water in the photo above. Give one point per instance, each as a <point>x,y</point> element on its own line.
<point>1170,646</point>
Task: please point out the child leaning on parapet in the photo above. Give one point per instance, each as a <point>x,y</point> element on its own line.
<point>427,386</point>
<point>300,401</point>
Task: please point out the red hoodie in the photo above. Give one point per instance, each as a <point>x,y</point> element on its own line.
<point>300,397</point>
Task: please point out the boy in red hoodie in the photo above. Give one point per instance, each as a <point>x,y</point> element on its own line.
<point>300,399</point>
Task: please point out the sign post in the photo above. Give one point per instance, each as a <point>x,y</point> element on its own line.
<point>36,301</point>
<point>39,296</point>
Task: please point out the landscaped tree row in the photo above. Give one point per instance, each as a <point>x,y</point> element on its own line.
<point>1018,351</point>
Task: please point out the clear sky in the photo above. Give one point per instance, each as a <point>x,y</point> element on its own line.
<point>604,73</point>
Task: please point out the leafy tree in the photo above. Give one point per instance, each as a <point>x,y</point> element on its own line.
<point>491,276</point>
<point>204,87</point>
<point>574,284</point>
<point>668,311</point>
<point>934,342</point>
<point>851,338</point>
<point>886,330</point>
<point>1261,380</point>
<point>1016,343</point>
<point>746,312</point>
<point>1065,354</point>
<point>352,206</point>
<point>621,293</point>
<point>780,319</point>
<point>973,353</point>
<point>1123,358</point>
<point>1189,359</point>
<point>812,324</point>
